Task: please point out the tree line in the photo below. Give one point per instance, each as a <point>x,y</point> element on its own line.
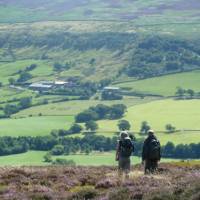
<point>90,142</point>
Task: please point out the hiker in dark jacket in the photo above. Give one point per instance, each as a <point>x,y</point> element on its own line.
<point>123,152</point>
<point>151,153</point>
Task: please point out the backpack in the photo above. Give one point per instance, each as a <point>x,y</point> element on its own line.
<point>126,147</point>
<point>154,149</point>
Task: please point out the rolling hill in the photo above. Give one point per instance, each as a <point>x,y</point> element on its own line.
<point>144,47</point>
<point>138,11</point>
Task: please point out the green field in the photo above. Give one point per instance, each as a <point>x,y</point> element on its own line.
<point>164,85</point>
<point>54,116</point>
<point>76,106</point>
<point>11,69</point>
<point>34,126</point>
<point>35,158</point>
<point>183,114</point>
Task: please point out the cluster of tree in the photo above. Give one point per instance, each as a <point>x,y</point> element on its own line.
<point>75,128</point>
<point>123,125</point>
<point>23,77</point>
<point>90,142</point>
<point>24,103</point>
<point>60,67</point>
<point>101,112</point>
<point>145,127</point>
<point>170,128</point>
<point>91,126</point>
<point>182,93</point>
<point>157,55</point>
<point>9,145</point>
<point>181,150</point>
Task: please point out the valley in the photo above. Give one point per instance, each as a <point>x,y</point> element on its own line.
<point>57,59</point>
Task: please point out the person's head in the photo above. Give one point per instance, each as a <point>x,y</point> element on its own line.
<point>132,136</point>
<point>151,132</point>
<point>123,135</point>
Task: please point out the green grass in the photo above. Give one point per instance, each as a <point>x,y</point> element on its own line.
<point>8,70</point>
<point>165,85</point>
<point>35,158</point>
<point>75,107</point>
<point>8,94</point>
<point>34,126</point>
<point>183,114</point>
<point>31,158</point>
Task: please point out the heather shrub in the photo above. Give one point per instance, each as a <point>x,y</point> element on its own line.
<point>119,194</point>
<point>3,188</point>
<point>107,183</point>
<point>191,192</point>
<point>161,196</point>
<point>40,196</point>
<point>83,193</point>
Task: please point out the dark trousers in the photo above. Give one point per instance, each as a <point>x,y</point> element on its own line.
<point>151,166</point>
<point>124,165</point>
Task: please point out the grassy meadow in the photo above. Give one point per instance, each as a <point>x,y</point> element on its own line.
<point>34,126</point>
<point>182,114</point>
<point>11,69</point>
<point>76,106</point>
<point>35,158</point>
<point>164,85</point>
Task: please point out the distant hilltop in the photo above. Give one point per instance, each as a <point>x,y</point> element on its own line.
<point>47,10</point>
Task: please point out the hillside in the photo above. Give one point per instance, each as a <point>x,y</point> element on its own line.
<point>137,11</point>
<point>164,85</point>
<point>59,61</point>
<point>174,181</point>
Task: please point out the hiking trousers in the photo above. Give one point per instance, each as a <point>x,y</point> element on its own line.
<point>124,164</point>
<point>151,166</point>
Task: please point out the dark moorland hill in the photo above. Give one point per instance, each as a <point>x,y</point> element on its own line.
<point>136,10</point>
<point>173,182</point>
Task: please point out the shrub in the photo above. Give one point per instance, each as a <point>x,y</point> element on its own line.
<point>76,128</point>
<point>47,157</point>
<point>57,150</point>
<point>124,125</point>
<point>62,161</point>
<point>84,192</point>
<point>119,194</point>
<point>91,125</point>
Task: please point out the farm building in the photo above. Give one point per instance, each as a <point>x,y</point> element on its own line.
<point>40,86</point>
<point>47,85</point>
<point>111,89</point>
